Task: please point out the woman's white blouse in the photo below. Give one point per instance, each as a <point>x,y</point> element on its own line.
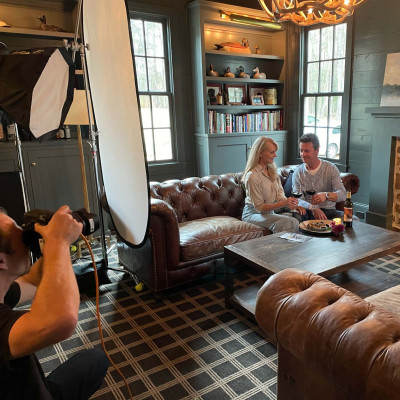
<point>261,189</point>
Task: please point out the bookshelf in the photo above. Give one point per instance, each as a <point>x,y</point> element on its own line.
<point>224,133</point>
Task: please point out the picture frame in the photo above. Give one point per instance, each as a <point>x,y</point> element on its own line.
<point>256,91</point>
<point>391,83</point>
<point>257,100</point>
<point>212,96</point>
<point>235,94</point>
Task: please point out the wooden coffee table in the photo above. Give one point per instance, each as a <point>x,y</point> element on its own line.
<point>328,256</point>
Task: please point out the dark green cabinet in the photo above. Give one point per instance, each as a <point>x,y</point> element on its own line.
<point>53,173</point>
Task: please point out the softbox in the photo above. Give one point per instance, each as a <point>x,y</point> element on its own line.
<point>37,88</point>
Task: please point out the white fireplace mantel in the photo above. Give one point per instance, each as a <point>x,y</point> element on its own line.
<point>384,112</point>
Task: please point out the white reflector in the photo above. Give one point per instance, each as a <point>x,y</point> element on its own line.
<point>115,105</point>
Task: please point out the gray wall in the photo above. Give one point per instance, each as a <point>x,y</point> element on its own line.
<point>376,33</point>
<point>176,10</point>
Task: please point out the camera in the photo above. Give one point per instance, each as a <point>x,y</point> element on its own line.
<point>90,223</point>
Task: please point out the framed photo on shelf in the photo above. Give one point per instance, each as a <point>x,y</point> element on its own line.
<point>257,100</point>
<point>235,94</point>
<point>256,91</point>
<point>212,90</point>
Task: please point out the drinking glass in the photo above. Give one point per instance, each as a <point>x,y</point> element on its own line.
<point>311,192</point>
<point>296,193</point>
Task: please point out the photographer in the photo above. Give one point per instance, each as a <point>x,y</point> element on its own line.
<point>51,283</point>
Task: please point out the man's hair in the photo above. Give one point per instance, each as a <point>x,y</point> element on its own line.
<point>5,242</point>
<point>310,138</point>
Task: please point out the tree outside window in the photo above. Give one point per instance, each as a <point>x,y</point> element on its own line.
<point>324,86</point>
<point>155,96</point>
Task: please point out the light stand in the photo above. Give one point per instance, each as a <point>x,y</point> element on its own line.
<point>82,114</point>
<point>79,115</point>
<point>21,168</point>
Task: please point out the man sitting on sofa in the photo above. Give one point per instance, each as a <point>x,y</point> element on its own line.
<point>319,176</point>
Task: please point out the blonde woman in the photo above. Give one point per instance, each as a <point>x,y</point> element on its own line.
<point>264,191</point>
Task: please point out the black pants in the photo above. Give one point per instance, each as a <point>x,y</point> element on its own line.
<point>78,377</point>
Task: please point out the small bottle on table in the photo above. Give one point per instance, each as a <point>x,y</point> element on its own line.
<point>348,211</point>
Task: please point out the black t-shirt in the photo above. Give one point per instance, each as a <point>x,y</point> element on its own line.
<point>21,378</point>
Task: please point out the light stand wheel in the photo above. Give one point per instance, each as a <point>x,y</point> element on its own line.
<point>139,287</point>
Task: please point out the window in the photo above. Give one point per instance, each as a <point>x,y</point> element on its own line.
<point>154,88</point>
<point>325,88</point>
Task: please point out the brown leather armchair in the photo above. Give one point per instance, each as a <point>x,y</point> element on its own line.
<point>332,344</point>
<point>191,220</point>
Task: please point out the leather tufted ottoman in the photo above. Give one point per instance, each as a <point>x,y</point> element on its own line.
<point>332,344</point>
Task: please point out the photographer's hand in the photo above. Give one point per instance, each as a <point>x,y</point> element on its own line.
<point>62,227</point>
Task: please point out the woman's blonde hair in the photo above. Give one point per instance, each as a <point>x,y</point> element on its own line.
<point>254,156</point>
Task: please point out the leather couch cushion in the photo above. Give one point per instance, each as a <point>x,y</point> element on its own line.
<point>207,236</point>
<point>388,300</point>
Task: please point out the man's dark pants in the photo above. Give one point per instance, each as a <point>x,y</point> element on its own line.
<point>78,377</point>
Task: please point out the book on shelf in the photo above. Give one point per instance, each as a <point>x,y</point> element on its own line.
<point>269,120</point>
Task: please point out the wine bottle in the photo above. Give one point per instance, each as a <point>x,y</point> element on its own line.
<point>348,211</point>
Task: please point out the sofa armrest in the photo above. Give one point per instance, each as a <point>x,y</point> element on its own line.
<point>164,235</point>
<point>334,333</point>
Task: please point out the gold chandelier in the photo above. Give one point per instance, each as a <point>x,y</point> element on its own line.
<point>310,12</point>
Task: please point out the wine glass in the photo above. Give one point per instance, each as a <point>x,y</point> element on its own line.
<point>296,192</point>
<point>311,192</point>
<point>311,189</point>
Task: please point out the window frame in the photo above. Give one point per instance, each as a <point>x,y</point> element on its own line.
<point>165,21</point>
<point>342,162</point>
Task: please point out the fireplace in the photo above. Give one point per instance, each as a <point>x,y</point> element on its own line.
<point>385,167</point>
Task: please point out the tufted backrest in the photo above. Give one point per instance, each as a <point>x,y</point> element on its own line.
<point>195,198</point>
<point>341,338</point>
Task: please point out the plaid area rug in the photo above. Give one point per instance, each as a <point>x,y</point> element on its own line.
<point>188,346</point>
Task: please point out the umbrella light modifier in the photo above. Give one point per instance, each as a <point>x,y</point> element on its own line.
<point>35,83</point>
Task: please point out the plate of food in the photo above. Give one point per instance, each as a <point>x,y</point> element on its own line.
<point>318,226</point>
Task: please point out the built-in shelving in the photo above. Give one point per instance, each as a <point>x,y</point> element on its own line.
<point>242,80</point>
<point>223,152</point>
<point>244,108</point>
<point>36,32</point>
<point>230,54</point>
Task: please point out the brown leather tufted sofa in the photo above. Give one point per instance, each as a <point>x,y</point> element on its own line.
<point>191,221</point>
<point>332,344</point>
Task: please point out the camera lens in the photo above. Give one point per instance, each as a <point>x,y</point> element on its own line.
<point>89,221</point>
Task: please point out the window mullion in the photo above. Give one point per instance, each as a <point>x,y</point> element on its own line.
<point>165,140</point>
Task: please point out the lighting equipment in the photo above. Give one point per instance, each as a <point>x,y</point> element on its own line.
<point>108,54</point>
<point>36,88</point>
<point>78,115</point>
<point>114,124</point>
<point>250,20</point>
<point>310,12</point>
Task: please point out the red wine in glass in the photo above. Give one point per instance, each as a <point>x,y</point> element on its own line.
<point>296,194</point>
<point>311,192</point>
